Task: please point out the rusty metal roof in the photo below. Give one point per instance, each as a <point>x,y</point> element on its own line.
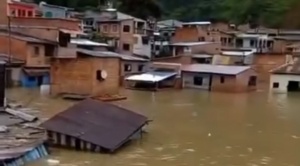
<point>103,124</point>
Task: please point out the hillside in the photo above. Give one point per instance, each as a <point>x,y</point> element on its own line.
<point>271,13</point>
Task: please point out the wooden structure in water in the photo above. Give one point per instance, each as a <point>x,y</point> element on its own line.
<point>93,125</point>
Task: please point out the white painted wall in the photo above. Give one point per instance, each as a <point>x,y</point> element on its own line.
<point>283,81</point>
<point>141,49</point>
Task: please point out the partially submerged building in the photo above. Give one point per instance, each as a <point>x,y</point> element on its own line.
<point>95,126</point>
<point>286,78</point>
<point>219,78</point>
<point>159,76</point>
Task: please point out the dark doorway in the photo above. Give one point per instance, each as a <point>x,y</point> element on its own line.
<point>293,86</point>
<point>40,80</point>
<point>77,144</point>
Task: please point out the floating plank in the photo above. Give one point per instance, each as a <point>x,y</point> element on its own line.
<point>22,115</point>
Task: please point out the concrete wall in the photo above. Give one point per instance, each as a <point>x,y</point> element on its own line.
<point>283,81</point>
<point>188,80</point>
<point>50,12</point>
<point>139,48</point>
<point>184,60</point>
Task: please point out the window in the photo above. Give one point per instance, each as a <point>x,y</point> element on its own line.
<point>105,28</point>
<point>140,68</point>
<point>252,43</point>
<point>126,47</point>
<point>145,40</point>
<point>115,28</point>
<point>29,13</point>
<point>126,28</point>
<point>31,79</point>
<point>19,12</point>
<point>275,85</point>
<point>252,81</point>
<point>13,13</point>
<point>23,14</point>
<point>201,39</point>
<point>222,79</point>
<point>198,81</point>
<point>36,50</point>
<point>127,67</point>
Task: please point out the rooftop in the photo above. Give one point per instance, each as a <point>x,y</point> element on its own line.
<point>55,6</point>
<point>190,43</point>
<point>26,38</point>
<point>197,23</point>
<point>108,54</point>
<point>292,68</point>
<point>155,76</point>
<point>289,38</point>
<point>170,23</point>
<point>103,124</point>
<point>238,53</point>
<point>215,69</point>
<point>87,42</point>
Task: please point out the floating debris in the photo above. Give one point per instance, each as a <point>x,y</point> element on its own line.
<point>209,135</point>
<point>250,150</point>
<point>189,150</point>
<point>295,137</point>
<point>139,164</point>
<point>159,148</point>
<point>53,162</point>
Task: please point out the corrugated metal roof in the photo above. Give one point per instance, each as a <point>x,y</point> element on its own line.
<point>190,43</point>
<point>151,76</point>
<point>87,42</point>
<point>103,124</point>
<point>111,54</point>
<point>215,69</point>
<point>26,38</point>
<point>197,23</point>
<point>238,53</point>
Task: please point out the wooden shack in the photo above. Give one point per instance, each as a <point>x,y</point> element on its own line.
<point>94,126</point>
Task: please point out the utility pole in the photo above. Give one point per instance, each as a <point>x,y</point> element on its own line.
<point>9,40</point>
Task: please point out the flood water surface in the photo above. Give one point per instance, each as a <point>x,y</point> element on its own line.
<point>195,128</point>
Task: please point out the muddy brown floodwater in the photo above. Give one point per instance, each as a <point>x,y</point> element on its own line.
<point>195,128</point>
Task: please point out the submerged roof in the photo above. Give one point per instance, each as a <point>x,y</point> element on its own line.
<point>238,53</point>
<point>103,124</point>
<point>292,68</point>
<point>151,76</point>
<point>215,69</point>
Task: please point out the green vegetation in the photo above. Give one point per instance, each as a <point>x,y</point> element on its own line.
<point>271,13</point>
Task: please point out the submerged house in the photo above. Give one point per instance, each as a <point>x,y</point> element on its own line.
<point>159,76</point>
<point>36,53</point>
<point>21,140</point>
<point>87,73</point>
<point>94,126</point>
<point>219,77</point>
<point>286,78</point>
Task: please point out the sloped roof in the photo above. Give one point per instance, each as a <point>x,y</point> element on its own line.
<point>215,69</point>
<point>106,125</point>
<point>170,23</point>
<point>290,68</point>
<point>110,54</point>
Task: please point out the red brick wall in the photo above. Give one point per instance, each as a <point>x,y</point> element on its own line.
<point>186,34</point>
<point>3,9</point>
<point>70,24</point>
<point>18,48</point>
<point>264,63</point>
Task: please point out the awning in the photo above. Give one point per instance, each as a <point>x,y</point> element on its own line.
<point>151,76</point>
<point>36,72</point>
<point>73,33</point>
